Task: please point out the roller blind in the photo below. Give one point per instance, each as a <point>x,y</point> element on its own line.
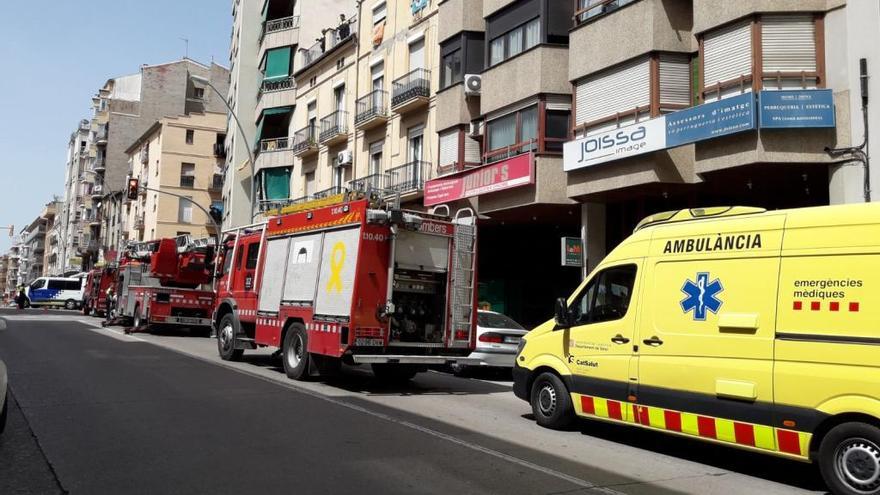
<point>675,79</point>
<point>277,64</point>
<point>472,153</point>
<point>277,183</point>
<point>449,147</point>
<point>727,54</point>
<point>618,90</point>
<point>788,43</point>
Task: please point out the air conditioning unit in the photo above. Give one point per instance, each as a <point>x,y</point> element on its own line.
<point>476,129</point>
<point>473,84</point>
<point>344,158</point>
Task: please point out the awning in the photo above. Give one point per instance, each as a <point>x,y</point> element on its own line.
<point>277,183</point>
<point>277,64</point>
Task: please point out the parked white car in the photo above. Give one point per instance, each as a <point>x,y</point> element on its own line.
<point>497,339</point>
<point>3,397</point>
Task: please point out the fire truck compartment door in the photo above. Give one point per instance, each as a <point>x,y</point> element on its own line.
<point>303,265</point>
<point>338,266</point>
<point>424,252</point>
<point>272,280</point>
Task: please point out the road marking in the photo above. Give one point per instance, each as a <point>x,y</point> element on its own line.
<point>423,429</point>
<point>2,323</point>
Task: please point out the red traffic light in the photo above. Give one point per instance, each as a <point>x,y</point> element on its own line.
<point>132,188</point>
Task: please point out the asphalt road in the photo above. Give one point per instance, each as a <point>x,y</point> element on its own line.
<point>96,411</point>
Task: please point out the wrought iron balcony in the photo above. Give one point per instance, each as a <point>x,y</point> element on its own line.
<point>283,24</point>
<point>408,177</point>
<point>411,91</point>
<point>372,110</point>
<point>271,86</point>
<point>334,127</point>
<point>305,141</point>
<point>330,191</point>
<point>372,182</point>
<point>275,144</point>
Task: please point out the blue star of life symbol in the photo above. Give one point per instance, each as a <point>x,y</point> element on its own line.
<point>701,296</point>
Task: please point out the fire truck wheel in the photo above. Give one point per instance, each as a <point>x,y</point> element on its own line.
<point>849,459</point>
<point>394,372</point>
<point>138,320</point>
<point>226,339</point>
<point>551,403</point>
<point>294,354</point>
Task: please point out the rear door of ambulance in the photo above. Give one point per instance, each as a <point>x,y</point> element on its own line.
<point>705,358</point>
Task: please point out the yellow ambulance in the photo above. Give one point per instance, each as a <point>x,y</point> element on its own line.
<point>750,328</point>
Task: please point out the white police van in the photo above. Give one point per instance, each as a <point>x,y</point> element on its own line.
<point>55,291</point>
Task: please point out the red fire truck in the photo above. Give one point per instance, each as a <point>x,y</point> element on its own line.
<point>167,282</point>
<point>98,281</point>
<point>353,279</point>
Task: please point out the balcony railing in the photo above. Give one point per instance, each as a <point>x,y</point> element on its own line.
<point>370,182</point>
<point>282,24</point>
<point>510,151</point>
<point>330,191</point>
<point>272,204</point>
<point>416,84</point>
<point>585,10</point>
<point>408,177</point>
<point>331,39</point>
<point>275,144</point>
<point>277,85</point>
<point>188,181</point>
<point>334,125</point>
<point>305,139</point>
<point>101,135</point>
<point>371,106</point>
<point>100,163</point>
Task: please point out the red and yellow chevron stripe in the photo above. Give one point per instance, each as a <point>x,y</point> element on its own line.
<point>767,438</point>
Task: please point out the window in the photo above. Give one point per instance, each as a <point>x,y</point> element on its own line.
<point>486,319</point>
<point>515,41</point>
<point>73,284</point>
<point>252,255</point>
<point>615,97</point>
<point>190,136</point>
<point>417,54</point>
<point>55,284</point>
<point>606,297</point>
<point>339,98</point>
<point>450,69</point>
<point>588,9</point>
<point>556,129</point>
<point>277,64</point>
<point>789,54</point>
<point>338,175</point>
<point>276,183</point>
<point>449,148</point>
<point>376,157</point>
<point>185,210</point>
<point>340,63</point>
<point>512,134</point>
<point>199,93</point>
<point>38,284</point>
<point>416,141</point>
<point>379,13</point>
<point>309,183</point>
<point>181,232</point>
<point>188,175</point>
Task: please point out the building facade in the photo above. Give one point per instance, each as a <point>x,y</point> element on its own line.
<point>124,108</point>
<point>71,230</point>
<point>12,280</point>
<point>175,155</point>
<point>33,244</point>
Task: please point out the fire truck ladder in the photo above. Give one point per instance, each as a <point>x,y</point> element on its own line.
<point>463,269</point>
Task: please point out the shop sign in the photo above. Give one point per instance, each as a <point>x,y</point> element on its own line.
<point>572,251</point>
<point>711,120</point>
<point>796,108</point>
<point>631,140</point>
<point>513,172</point>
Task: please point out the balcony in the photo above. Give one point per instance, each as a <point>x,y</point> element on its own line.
<point>101,136</point>
<point>219,150</point>
<point>274,204</point>
<point>275,93</point>
<point>216,183</point>
<point>332,39</point>
<point>372,110</point>
<point>279,32</point>
<point>408,178</point>
<point>372,182</point>
<point>330,191</point>
<point>100,164</point>
<point>411,91</point>
<point>305,141</point>
<point>275,152</point>
<point>97,191</point>
<point>334,128</point>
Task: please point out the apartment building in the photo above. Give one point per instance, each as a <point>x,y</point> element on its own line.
<point>177,155</point>
<point>721,103</point>
<point>12,280</point>
<point>4,273</point>
<point>71,231</point>
<point>33,244</point>
<point>124,108</point>
<point>265,51</point>
<point>52,251</point>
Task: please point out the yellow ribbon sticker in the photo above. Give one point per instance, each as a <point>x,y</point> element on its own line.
<point>337,261</point>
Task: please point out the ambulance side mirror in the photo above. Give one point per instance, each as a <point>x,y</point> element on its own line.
<point>563,317</point>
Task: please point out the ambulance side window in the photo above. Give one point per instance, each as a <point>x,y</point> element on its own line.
<point>253,253</point>
<point>606,297</point>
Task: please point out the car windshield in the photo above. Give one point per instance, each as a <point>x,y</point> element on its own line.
<point>496,320</point>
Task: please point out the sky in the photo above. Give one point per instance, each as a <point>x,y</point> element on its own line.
<point>56,54</point>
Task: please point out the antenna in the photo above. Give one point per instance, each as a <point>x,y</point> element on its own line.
<point>186,47</point>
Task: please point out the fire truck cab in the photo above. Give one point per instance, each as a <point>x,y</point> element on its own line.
<point>352,279</point>
<point>98,280</point>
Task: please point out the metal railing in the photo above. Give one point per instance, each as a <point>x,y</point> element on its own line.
<point>281,24</point>
<point>408,177</point>
<point>370,106</point>
<point>334,125</point>
<point>216,183</point>
<point>330,191</point>
<point>369,182</point>
<point>331,38</point>
<point>585,10</point>
<point>277,85</point>
<point>413,85</point>
<point>510,151</point>
<point>305,138</point>
<point>275,144</point>
<point>273,204</point>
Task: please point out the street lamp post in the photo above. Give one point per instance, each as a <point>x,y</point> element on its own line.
<point>253,199</point>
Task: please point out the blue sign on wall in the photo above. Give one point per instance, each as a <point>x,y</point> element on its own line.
<point>711,120</point>
<point>797,108</point>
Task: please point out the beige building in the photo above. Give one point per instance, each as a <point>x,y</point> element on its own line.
<point>176,155</point>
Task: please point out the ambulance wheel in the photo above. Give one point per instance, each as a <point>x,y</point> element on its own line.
<point>226,339</point>
<point>849,459</point>
<point>294,352</point>
<point>394,372</point>
<point>551,403</point>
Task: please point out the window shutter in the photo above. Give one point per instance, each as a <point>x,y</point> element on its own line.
<point>277,183</point>
<point>675,80</point>
<point>557,102</point>
<point>449,147</point>
<point>472,152</point>
<point>788,43</point>
<point>619,90</point>
<point>277,64</point>
<point>727,54</point>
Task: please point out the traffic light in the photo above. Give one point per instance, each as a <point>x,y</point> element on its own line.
<point>132,188</point>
